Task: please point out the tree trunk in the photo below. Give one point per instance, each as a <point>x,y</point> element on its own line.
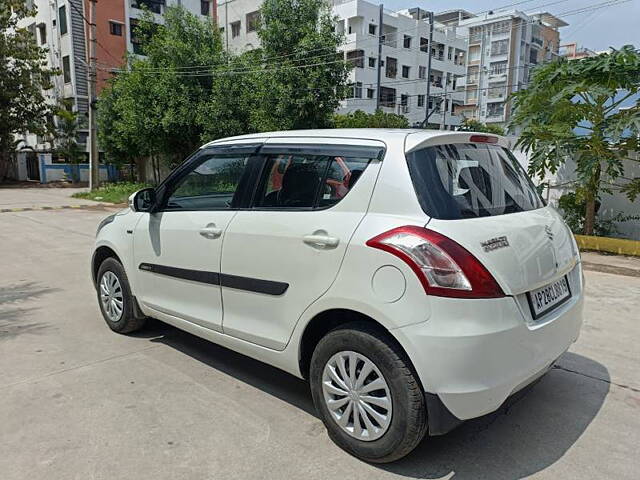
<point>5,162</point>
<point>141,164</point>
<point>590,214</point>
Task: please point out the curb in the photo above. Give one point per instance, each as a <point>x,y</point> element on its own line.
<point>619,246</point>
<point>61,207</point>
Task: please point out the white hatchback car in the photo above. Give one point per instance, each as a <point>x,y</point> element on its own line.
<point>415,278</point>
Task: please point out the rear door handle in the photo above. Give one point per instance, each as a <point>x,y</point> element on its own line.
<point>211,231</point>
<point>321,241</point>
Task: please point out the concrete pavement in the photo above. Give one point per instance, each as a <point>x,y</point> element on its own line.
<point>78,401</point>
<point>14,198</point>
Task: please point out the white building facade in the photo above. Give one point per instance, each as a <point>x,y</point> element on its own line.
<point>503,48</point>
<point>61,26</point>
<point>403,61</point>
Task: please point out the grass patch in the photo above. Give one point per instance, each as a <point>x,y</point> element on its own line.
<point>112,192</point>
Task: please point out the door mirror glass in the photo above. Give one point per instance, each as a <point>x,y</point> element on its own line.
<point>143,200</point>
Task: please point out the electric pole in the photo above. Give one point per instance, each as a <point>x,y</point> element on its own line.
<point>443,125</point>
<point>94,165</point>
<point>226,24</point>
<point>379,56</point>
<point>429,55</point>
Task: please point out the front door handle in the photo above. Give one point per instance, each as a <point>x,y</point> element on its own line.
<point>211,231</point>
<point>319,240</point>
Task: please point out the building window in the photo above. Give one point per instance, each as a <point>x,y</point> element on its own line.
<point>253,21</point>
<point>387,97</point>
<point>405,71</point>
<point>406,43</point>
<point>475,34</point>
<point>235,29</point>
<point>421,100</point>
<point>137,42</point>
<point>424,45</point>
<point>371,92</point>
<point>422,72</point>
<point>372,62</point>
<point>204,7</point>
<point>497,68</point>
<point>115,28</point>
<point>356,58</point>
<point>391,67</point>
<point>450,53</point>
<point>495,109</point>
<point>62,19</point>
<point>404,100</point>
<point>372,29</point>
<point>500,27</point>
<point>66,69</point>
<point>154,6</point>
<point>357,90</point>
<point>500,47</point>
<point>42,29</point>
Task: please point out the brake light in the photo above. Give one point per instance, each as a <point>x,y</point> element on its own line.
<point>444,267</point>
<point>483,139</point>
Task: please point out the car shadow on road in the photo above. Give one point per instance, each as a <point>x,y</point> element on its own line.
<point>526,435</point>
<point>252,372</point>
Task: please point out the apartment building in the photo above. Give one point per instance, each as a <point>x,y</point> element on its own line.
<point>62,27</point>
<point>405,37</point>
<point>571,51</point>
<point>503,48</point>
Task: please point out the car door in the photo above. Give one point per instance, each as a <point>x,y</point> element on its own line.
<point>285,251</point>
<point>177,249</point>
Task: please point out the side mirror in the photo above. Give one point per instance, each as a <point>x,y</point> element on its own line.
<point>143,200</point>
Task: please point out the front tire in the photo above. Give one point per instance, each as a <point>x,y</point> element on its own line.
<point>367,394</point>
<point>115,299</point>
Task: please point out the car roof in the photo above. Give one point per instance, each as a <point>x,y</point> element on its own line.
<point>418,135</point>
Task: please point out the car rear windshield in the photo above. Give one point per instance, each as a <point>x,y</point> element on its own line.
<point>470,180</point>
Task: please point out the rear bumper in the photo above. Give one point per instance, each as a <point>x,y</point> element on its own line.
<point>442,421</point>
<point>474,354</point>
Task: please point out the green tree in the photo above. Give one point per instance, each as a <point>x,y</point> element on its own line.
<point>570,110</point>
<point>472,125</point>
<point>66,132</point>
<point>379,119</point>
<point>304,76</point>
<point>152,108</point>
<point>23,77</point>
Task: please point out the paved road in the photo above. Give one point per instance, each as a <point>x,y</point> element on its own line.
<point>11,198</point>
<point>79,402</point>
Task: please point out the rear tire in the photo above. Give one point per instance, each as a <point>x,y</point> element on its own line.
<point>358,343</point>
<point>115,299</point>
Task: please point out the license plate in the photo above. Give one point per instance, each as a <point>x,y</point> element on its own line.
<point>545,299</point>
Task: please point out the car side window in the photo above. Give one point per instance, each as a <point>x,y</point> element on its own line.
<point>307,181</point>
<point>211,184</point>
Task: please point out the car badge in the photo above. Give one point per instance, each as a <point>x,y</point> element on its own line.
<point>495,243</point>
<point>548,232</point>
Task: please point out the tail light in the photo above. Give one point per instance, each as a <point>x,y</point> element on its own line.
<point>444,267</point>
<point>483,139</point>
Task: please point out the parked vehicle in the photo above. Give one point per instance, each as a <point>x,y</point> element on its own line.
<point>415,278</point>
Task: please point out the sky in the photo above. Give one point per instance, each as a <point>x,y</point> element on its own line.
<point>612,26</point>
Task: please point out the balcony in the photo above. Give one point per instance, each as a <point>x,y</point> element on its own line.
<point>155,6</point>
<point>473,79</point>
